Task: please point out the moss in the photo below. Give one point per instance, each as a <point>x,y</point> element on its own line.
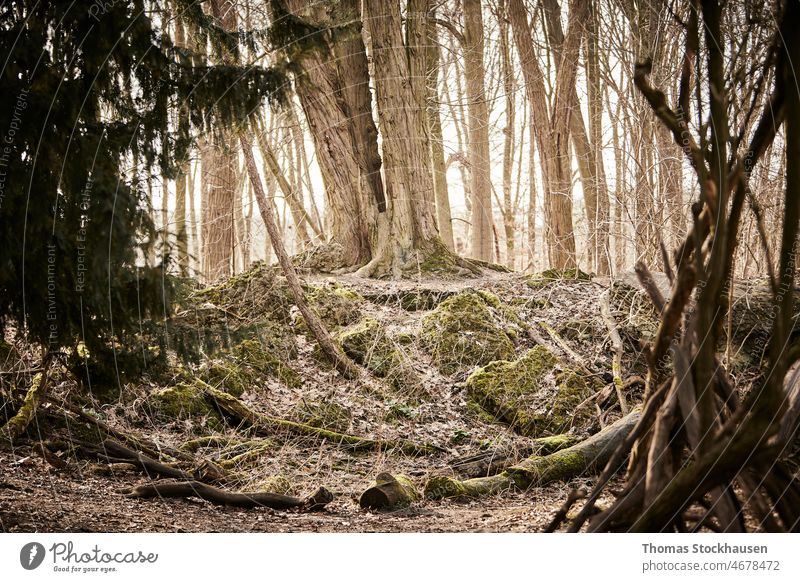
<point>259,357</point>
<point>535,471</point>
<point>184,401</point>
<point>529,394</point>
<point>466,330</point>
<point>275,484</point>
<point>368,344</point>
<point>440,487</point>
<point>552,275</point>
<point>336,305</point>
<point>327,414</point>
<point>245,452</point>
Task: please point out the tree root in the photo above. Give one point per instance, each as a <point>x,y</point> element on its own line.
<point>265,425</point>
<point>217,496</point>
<point>536,471</point>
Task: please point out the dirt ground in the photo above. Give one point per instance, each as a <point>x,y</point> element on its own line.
<point>34,498</point>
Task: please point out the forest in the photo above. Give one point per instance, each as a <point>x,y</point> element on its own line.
<point>399,266</point>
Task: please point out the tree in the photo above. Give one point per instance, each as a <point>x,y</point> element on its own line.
<point>410,238</point>
<point>77,224</point>
<point>699,453</point>
<point>552,127</point>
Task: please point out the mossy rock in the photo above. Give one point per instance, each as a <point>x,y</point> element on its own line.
<point>368,344</point>
<point>533,394</point>
<point>337,306</point>
<point>553,275</point>
<point>470,329</point>
<point>266,361</point>
<point>259,293</point>
<point>183,402</point>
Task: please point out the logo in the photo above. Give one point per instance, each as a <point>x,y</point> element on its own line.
<point>31,555</point>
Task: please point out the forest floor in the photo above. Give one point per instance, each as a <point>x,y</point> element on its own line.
<point>431,335</point>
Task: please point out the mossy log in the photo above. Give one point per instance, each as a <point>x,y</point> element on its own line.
<point>218,496</point>
<point>388,491</point>
<point>492,462</point>
<point>18,424</point>
<point>267,425</point>
<point>586,456</point>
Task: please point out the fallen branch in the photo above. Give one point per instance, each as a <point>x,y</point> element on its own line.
<point>493,462</point>
<point>148,465</point>
<point>17,425</point>
<point>584,457</point>
<point>217,496</point>
<point>616,344</point>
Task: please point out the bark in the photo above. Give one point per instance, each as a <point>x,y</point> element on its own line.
<point>409,238</point>
<point>509,138</point>
<point>217,496</point>
<point>319,89</point>
<point>221,176</point>
<point>478,123</point>
<point>552,132</point>
<point>585,457</point>
<point>444,219</point>
<point>181,182</point>
<point>351,58</point>
<point>388,492</point>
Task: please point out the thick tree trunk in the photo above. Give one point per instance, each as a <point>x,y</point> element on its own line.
<point>318,85</point>
<point>218,221</point>
<point>410,239</point>
<point>587,456</point>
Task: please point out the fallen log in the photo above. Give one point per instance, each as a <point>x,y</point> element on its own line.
<point>148,465</point>
<point>264,425</point>
<point>317,501</point>
<point>584,457</point>
<point>492,462</point>
<point>388,492</point>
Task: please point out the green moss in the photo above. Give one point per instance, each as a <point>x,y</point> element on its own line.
<point>466,330</point>
<point>368,344</point>
<point>184,401</point>
<point>275,484</point>
<point>259,357</point>
<point>552,275</point>
<point>441,487</point>
<point>327,414</point>
<point>529,395</point>
<point>336,305</point>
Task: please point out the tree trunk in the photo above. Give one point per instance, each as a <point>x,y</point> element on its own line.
<point>551,133</point>
<point>319,88</point>
<point>586,456</point>
<point>444,218</point>
<point>478,123</point>
<point>410,239</point>
<point>218,221</point>
<point>509,209</point>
